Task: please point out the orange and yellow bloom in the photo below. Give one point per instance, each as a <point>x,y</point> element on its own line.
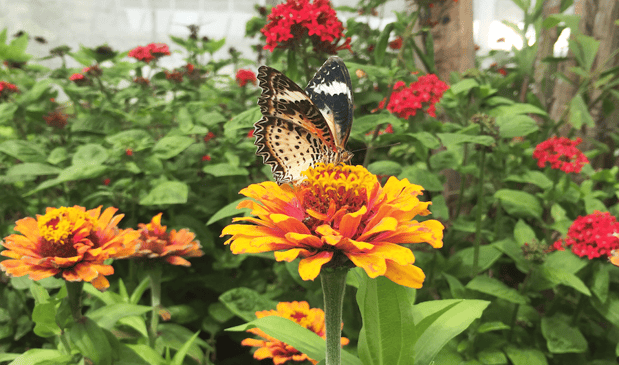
<point>68,241</point>
<point>155,242</point>
<point>338,216</point>
<point>300,312</point>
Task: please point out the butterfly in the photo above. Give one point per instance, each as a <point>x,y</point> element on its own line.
<point>300,128</point>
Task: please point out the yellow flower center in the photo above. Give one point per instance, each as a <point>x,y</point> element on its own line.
<point>344,185</point>
<point>58,224</point>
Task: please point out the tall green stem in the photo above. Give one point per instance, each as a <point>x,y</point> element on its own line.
<point>74,295</point>
<point>155,300</point>
<point>333,287</point>
<point>480,211</point>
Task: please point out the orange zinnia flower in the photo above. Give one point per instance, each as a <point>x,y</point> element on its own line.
<point>311,318</point>
<point>155,242</point>
<point>338,216</point>
<point>71,242</point>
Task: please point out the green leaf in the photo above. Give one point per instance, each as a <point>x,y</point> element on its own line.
<point>167,192</point>
<point>225,169</point>
<point>245,302</point>
<point>381,44</point>
<point>79,172</point>
<point>136,139</point>
<point>537,178</point>
<point>44,317</point>
<point>562,338</point>
<point>579,114</point>
<point>385,167</point>
<point>516,125</point>
<point>587,48</point>
<point>89,154</point>
<point>492,326</point>
<point>601,281</point>
<point>496,288</point>
<point>42,357</point>
<point>57,155</point>
<point>23,150</point>
<point>516,109</point>
<point>556,276</point>
<point>168,147</point>
<point>185,122</point>
<point>492,357</point>
<point>91,341</point>
<point>519,356</point>
<point>35,92</point>
<point>228,211</point>
<point>32,169</point>
<point>608,309</point>
<point>488,255</point>
<point>106,317</point>
<point>519,203</point>
<point>7,111</point>
<point>454,139</point>
<point>463,86</point>
<point>182,352</point>
<point>368,123</point>
<point>244,121</point>
<point>523,233</point>
<point>138,355</point>
<point>388,328</point>
<point>427,139</point>
<point>428,180</point>
<point>296,336</point>
<point>441,321</point>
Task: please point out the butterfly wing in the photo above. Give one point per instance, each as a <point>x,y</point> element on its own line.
<point>293,134</point>
<point>331,91</point>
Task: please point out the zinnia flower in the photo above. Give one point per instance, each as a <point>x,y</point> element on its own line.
<point>562,154</point>
<point>70,242</point>
<point>155,242</point>
<point>338,216</point>
<point>405,101</point>
<point>294,19</point>
<point>593,235</point>
<point>300,312</point>
<point>245,76</point>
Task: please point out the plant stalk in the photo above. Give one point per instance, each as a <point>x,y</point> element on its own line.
<point>74,294</point>
<point>155,301</point>
<point>333,288</point>
<point>480,206</point>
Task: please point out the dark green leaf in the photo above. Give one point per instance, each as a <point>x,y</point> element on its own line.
<point>23,150</point>
<point>91,341</point>
<point>385,167</point>
<point>245,302</point>
<point>428,180</point>
<point>523,233</point>
<point>519,203</point>
<point>107,316</point>
<point>227,211</point>
<point>562,338</point>
<point>516,125</point>
<point>381,44</point>
<point>89,154</point>
<point>32,169</point>
<point>182,352</point>
<point>579,114</point>
<point>454,139</point>
<point>42,357</point>
<point>463,86</point>
<point>167,192</point>
<point>225,169</point>
<point>520,356</point>
<point>537,178</point>
<point>492,326</point>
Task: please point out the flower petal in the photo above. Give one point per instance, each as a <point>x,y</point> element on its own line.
<point>309,267</point>
<point>406,275</point>
<point>350,222</point>
<point>374,265</point>
<point>289,255</point>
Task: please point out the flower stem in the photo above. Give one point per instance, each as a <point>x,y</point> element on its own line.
<point>74,293</point>
<point>333,288</point>
<point>480,207</point>
<point>155,301</point>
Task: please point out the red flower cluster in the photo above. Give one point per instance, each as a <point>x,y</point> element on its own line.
<point>92,71</point>
<point>174,76</point>
<point>405,101</point>
<point>141,81</point>
<point>150,52</point>
<point>206,158</point>
<point>244,76</point>
<point>396,43</point>
<point>592,236</point>
<point>56,119</point>
<point>209,136</point>
<point>290,21</point>
<point>562,154</point>
<point>7,88</point>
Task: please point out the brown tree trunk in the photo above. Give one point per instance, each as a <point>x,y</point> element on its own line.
<point>454,49</point>
<point>543,74</point>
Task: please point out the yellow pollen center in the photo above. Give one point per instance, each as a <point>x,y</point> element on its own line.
<point>58,224</point>
<point>352,180</point>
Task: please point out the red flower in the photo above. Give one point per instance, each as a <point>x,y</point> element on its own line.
<point>56,119</point>
<point>150,52</point>
<point>206,158</point>
<point>6,89</point>
<point>502,71</point>
<point>141,81</point>
<point>250,134</point>
<point>593,236</point>
<point>209,136</point>
<point>129,152</point>
<point>174,76</point>
<point>245,76</point>
<point>396,44</point>
<point>562,154</point>
<point>294,19</point>
<point>106,182</point>
<point>77,77</point>
<point>405,101</point>
<point>92,71</point>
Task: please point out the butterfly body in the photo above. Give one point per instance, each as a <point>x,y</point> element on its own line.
<point>300,128</point>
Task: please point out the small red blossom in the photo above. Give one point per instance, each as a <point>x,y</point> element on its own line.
<point>150,52</point>
<point>561,153</point>
<point>76,77</point>
<point>106,182</point>
<point>289,22</point>
<point>396,43</point>
<point>52,100</point>
<point>6,89</point>
<point>502,71</point>
<point>56,119</point>
<point>94,71</point>
<point>129,152</point>
<point>244,76</point>
<point>209,136</point>
<point>405,101</point>
<point>250,134</point>
<point>141,81</point>
<point>206,158</point>
<point>174,76</point>
<point>594,235</point>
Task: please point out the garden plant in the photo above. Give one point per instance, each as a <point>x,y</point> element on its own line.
<point>465,226</point>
